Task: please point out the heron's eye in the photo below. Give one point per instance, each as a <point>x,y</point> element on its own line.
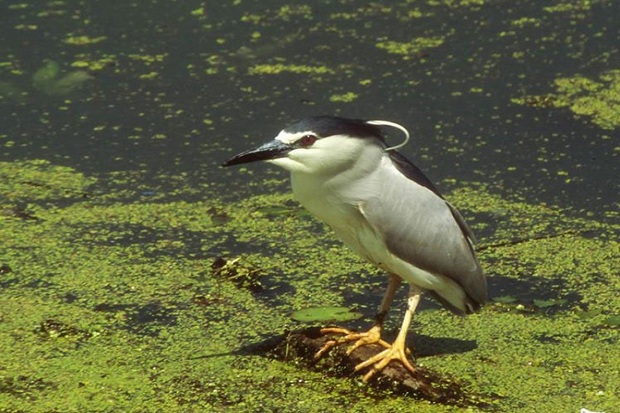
<point>306,140</point>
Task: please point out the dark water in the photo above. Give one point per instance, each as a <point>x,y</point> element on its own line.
<point>455,98</point>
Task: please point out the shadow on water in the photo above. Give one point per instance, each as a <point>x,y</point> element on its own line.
<point>425,346</point>
<point>299,347</point>
<point>148,319</point>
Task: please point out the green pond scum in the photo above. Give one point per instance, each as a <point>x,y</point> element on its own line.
<point>597,99</point>
<point>135,277</point>
<point>108,305</point>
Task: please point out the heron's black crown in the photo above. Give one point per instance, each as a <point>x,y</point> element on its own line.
<point>325,126</point>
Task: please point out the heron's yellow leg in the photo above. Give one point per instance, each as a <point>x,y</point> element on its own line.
<point>397,351</point>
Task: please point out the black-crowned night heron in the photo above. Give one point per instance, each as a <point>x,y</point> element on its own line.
<point>386,210</point>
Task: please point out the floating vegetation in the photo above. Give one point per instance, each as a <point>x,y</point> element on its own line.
<point>598,99</point>
<point>84,40</point>
<point>275,69</point>
<point>235,271</point>
<point>412,48</point>
<point>108,301</point>
<point>345,97</point>
<point>138,297</point>
<point>325,315</point>
<point>48,80</point>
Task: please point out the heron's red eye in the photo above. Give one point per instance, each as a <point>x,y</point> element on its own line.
<point>306,140</point>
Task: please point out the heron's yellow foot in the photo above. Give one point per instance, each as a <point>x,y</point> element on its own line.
<point>372,336</point>
<point>396,351</point>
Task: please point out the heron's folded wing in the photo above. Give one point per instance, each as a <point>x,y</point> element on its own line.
<point>421,228</point>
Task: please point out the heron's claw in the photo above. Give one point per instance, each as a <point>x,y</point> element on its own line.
<point>396,351</point>
<point>379,361</point>
<point>372,336</point>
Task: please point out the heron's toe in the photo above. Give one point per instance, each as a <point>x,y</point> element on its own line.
<point>379,361</point>
<point>372,336</point>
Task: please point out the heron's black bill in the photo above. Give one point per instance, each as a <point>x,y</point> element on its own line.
<point>270,150</point>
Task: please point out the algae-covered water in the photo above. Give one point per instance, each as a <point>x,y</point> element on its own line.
<point>137,275</point>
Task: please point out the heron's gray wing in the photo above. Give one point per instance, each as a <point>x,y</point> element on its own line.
<point>416,175</point>
<point>421,228</point>
<point>411,171</point>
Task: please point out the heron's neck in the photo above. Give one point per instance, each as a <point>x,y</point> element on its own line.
<point>335,194</point>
